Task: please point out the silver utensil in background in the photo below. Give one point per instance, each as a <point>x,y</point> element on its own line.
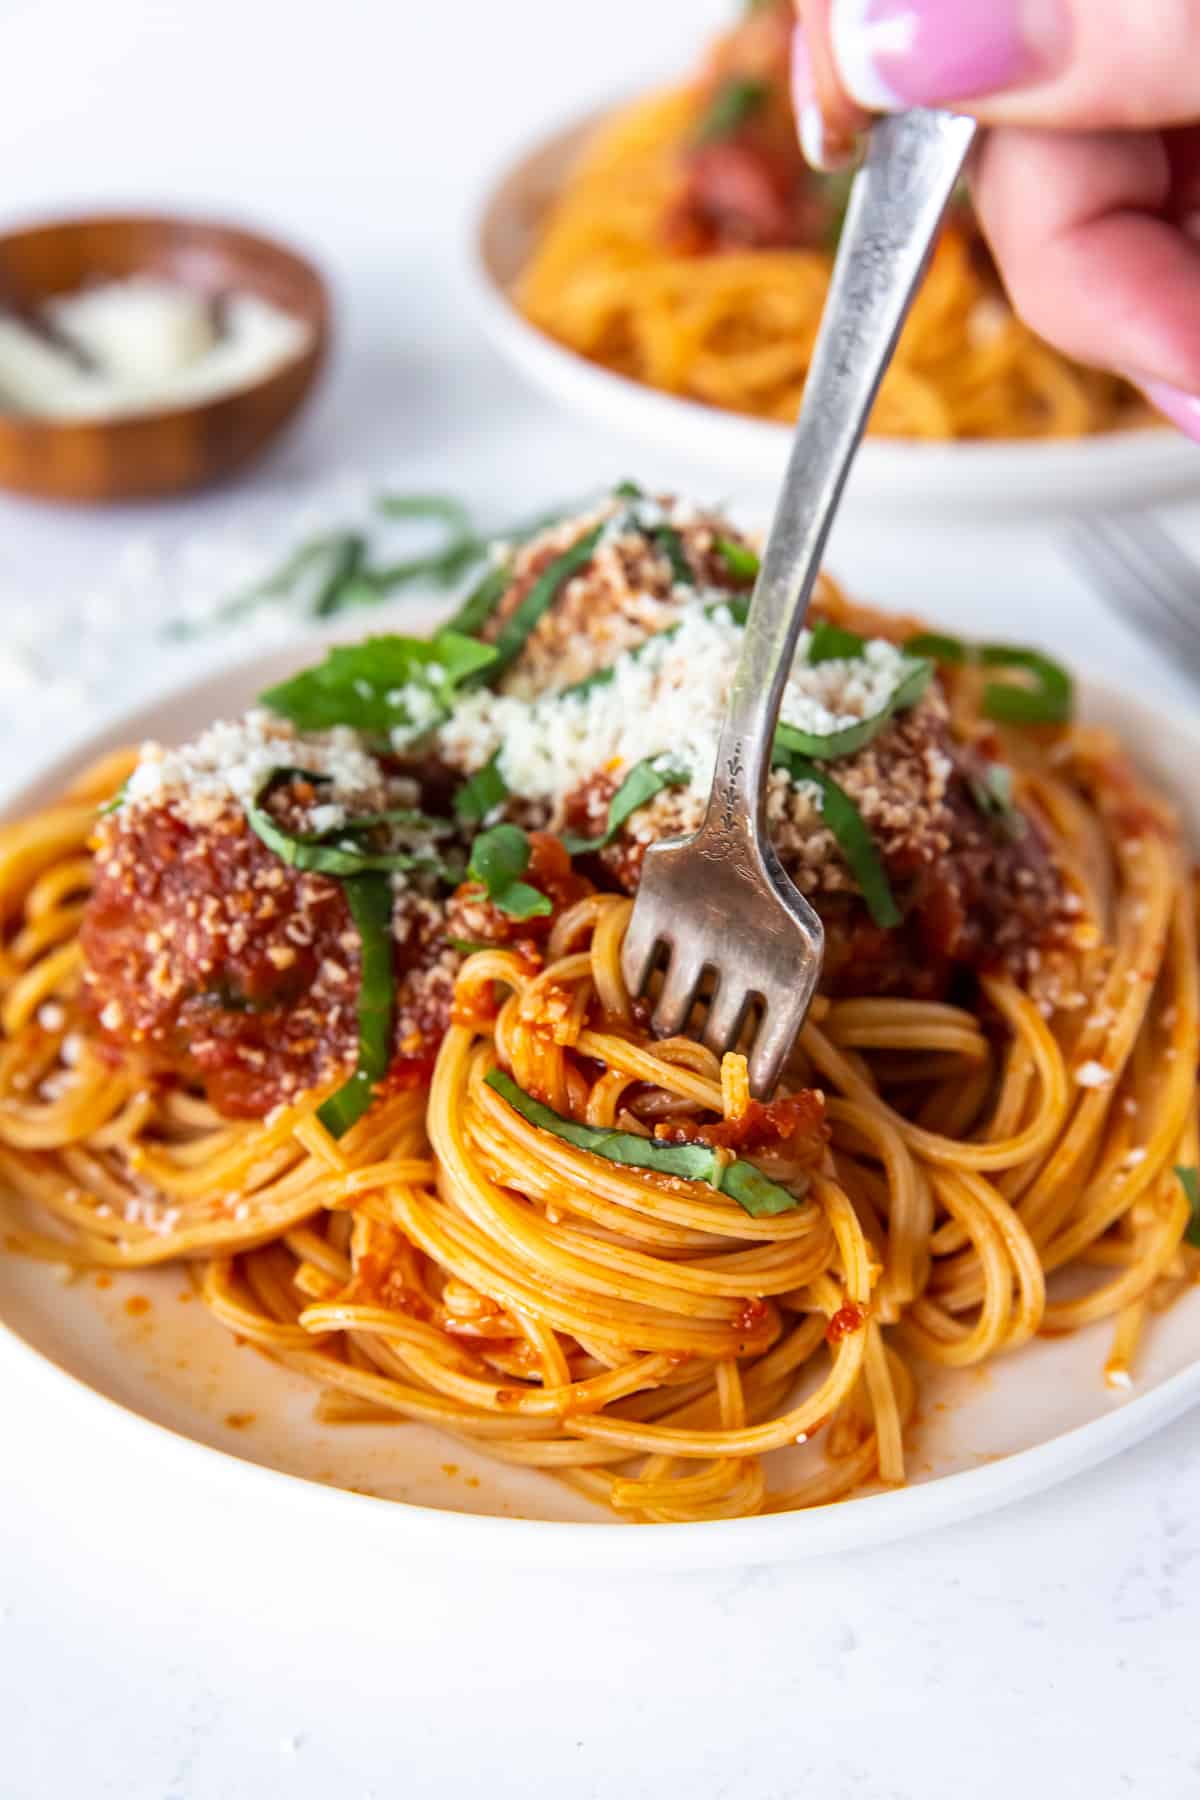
<point>1144,575</point>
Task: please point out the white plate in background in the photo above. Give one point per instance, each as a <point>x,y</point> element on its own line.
<point>1124,467</point>
<point>987,1436</point>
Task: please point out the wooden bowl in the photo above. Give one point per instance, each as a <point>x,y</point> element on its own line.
<point>180,447</point>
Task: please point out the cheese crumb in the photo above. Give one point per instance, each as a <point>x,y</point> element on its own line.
<point>1093,1075</point>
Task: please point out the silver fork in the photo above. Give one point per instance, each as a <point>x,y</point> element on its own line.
<point>1143,574</point>
<point>718,903</point>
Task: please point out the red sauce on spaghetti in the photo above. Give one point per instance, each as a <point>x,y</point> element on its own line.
<point>845,1321</point>
<point>795,1122</point>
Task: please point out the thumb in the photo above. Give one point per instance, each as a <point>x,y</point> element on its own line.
<point>1065,64</point>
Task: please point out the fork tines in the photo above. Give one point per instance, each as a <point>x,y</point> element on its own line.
<point>761,977</point>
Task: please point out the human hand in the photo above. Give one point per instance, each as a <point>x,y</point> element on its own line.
<point>1088,185</point>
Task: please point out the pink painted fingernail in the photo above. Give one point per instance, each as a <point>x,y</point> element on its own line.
<point>803,92</point>
<point>898,53</point>
<point>810,122</point>
<point>1182,409</point>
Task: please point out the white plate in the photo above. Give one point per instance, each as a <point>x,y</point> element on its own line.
<point>988,1436</point>
<point>1126,466</point>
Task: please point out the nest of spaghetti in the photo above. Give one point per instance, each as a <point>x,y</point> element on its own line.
<point>690,247</point>
<point>327,1006</point>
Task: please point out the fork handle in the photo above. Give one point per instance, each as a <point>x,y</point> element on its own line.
<point>896,205</point>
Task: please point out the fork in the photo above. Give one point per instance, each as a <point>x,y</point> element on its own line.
<point>1144,575</point>
<point>718,903</point>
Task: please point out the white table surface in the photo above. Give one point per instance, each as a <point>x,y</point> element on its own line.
<point>154,1644</point>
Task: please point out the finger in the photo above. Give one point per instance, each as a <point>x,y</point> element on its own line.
<point>1087,260</point>
<point>829,121</point>
<point>1067,64</point>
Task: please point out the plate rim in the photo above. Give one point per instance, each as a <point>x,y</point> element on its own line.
<point>855,1524</point>
<point>999,475</point>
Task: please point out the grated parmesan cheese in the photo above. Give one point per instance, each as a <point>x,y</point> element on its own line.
<point>420,705</point>
<point>1093,1075</point>
<point>233,758</point>
<point>670,695</point>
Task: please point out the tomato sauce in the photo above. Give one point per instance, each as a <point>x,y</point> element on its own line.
<point>845,1322</point>
<point>795,1123</point>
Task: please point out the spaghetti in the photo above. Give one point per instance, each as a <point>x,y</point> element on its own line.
<point>581,1249</point>
<point>690,249</point>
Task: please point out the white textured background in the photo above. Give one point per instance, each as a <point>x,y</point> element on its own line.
<point>154,1643</point>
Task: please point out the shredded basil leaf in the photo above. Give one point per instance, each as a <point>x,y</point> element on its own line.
<point>315,853</point>
<point>345,563</point>
<point>737,99</point>
<point>396,815</point>
<point>670,543</point>
<point>992,793</point>
<point>498,858</point>
<point>742,562</point>
<point>362,585</point>
<point>369,898</point>
<point>643,781</point>
<point>515,631</point>
<point>484,790</point>
<point>853,836</point>
<point>110,806</point>
<point>744,1183</point>
<point>830,745</point>
<point>468,946</point>
<point>331,572</point>
<point>482,601</point>
<point>753,1192</point>
<point>831,643</point>
<point>445,507</point>
<point>1047,702</point>
<point>1190,1182</point>
<point>937,645</point>
<point>371,586</point>
<point>327,561</point>
<point>332,859</point>
<point>363,684</point>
